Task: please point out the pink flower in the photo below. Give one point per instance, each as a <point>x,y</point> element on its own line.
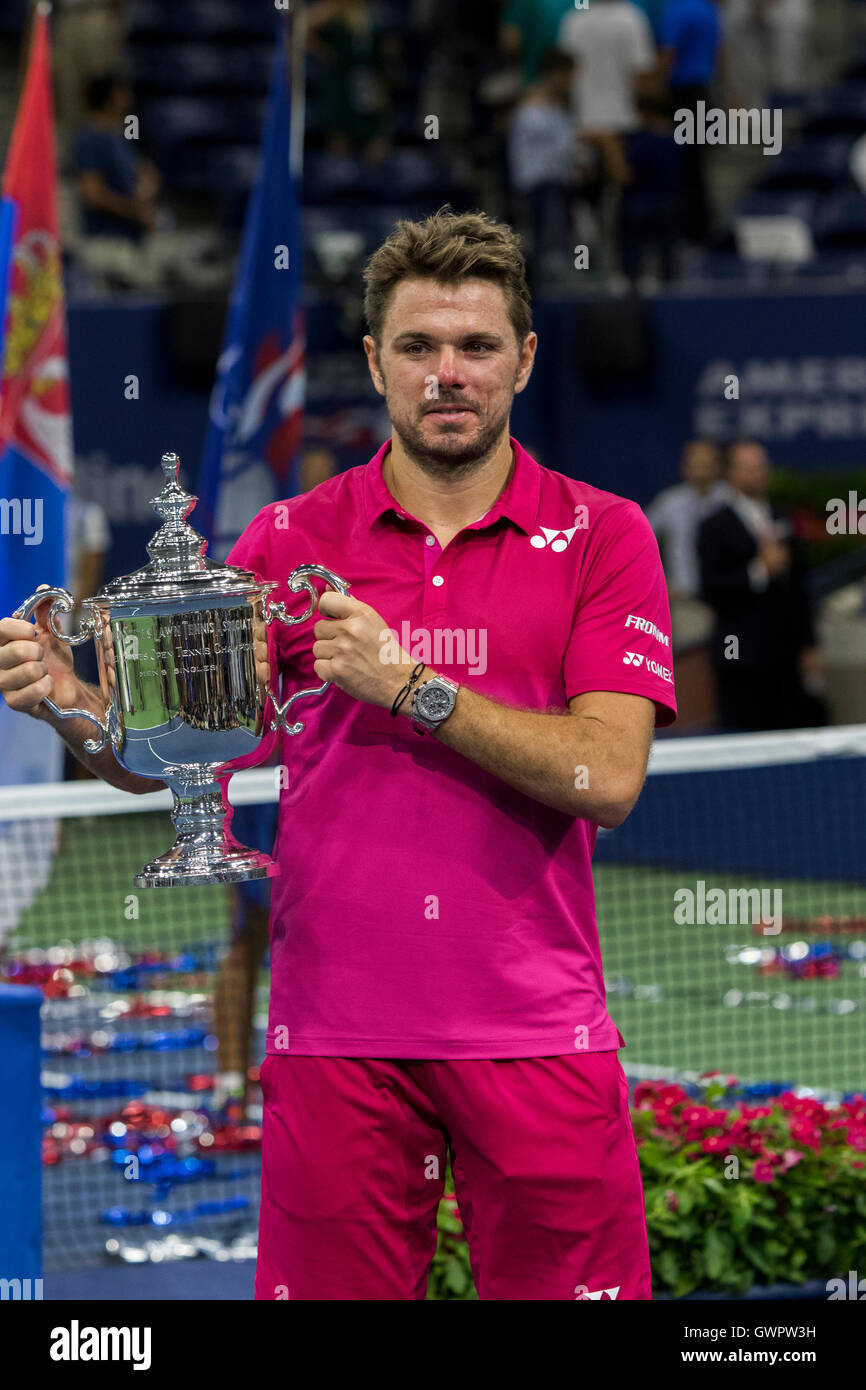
<point>698,1119</point>
<point>672,1200</point>
<point>755,1112</point>
<point>691,1114</point>
<point>762,1172</point>
<point>806,1133</point>
<point>732,1081</point>
<point>857,1138</point>
<point>715,1144</point>
<point>643,1091</point>
<point>671,1095</point>
<point>664,1118</point>
<point>858,1164</point>
<point>792,1158</point>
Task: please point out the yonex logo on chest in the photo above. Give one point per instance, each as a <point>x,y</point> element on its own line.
<point>556,538</point>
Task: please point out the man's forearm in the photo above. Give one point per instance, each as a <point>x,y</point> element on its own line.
<point>565,761</point>
<point>74,732</point>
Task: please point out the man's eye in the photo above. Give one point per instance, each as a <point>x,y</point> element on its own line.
<point>482,346</point>
<point>411,347</point>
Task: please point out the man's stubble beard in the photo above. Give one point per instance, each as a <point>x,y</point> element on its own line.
<point>455,457</point>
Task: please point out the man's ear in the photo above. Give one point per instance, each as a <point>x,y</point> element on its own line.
<point>373,363</point>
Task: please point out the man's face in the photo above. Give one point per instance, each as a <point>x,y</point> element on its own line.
<point>749,470</point>
<point>700,462</point>
<point>449,367</point>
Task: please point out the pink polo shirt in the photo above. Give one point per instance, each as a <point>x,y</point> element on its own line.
<point>424,909</point>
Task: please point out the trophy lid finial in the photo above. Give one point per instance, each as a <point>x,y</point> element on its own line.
<point>176,546</point>
<point>171,467</point>
<point>179,567</point>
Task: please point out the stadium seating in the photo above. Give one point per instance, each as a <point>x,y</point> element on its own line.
<point>813,163</point>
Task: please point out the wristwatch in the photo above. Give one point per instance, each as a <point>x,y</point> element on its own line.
<point>432,702</point>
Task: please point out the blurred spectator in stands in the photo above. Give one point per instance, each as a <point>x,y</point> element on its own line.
<point>123,235</point>
<point>529,30</point>
<point>788,25</point>
<point>117,186</point>
<point>768,42</point>
<point>87,38</point>
<point>612,46</point>
<point>350,102</point>
<point>650,212</point>
<point>767,666</point>
<point>691,46</point>
<point>615,59</point>
<point>542,158</point>
<point>675,515</point>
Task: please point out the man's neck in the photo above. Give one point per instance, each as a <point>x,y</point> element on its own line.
<point>444,502</point>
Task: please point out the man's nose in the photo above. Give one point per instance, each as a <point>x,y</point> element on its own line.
<point>448,372</point>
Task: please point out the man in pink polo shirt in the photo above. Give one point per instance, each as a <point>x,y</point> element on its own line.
<point>497,669</point>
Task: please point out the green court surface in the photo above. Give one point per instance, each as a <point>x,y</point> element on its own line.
<point>682,1001</point>
<point>91,894</point>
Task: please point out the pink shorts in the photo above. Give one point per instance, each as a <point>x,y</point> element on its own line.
<point>545,1169</point>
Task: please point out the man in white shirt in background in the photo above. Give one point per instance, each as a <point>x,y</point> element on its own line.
<point>675,514</point>
<point>615,56</point>
<point>613,47</point>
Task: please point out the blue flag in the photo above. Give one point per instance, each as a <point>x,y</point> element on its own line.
<point>256,408</point>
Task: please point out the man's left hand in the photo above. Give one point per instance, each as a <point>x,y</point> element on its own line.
<point>356,650</point>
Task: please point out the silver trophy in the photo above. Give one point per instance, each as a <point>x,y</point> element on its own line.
<point>177,671</point>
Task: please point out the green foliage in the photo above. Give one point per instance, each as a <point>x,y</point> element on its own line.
<point>451,1275</point>
<point>806,495</point>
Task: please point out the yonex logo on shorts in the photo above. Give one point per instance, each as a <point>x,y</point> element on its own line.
<point>644,625</point>
<point>638,659</point>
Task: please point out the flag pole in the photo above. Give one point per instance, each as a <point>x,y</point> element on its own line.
<point>295,41</point>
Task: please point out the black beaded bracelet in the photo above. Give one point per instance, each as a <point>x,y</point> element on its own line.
<point>401,694</point>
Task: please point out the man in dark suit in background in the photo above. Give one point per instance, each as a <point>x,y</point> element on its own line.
<point>752,576</point>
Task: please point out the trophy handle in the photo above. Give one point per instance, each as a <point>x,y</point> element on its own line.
<point>298,580</point>
<point>64,603</point>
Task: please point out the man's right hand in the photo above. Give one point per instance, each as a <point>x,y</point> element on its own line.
<point>35,664</point>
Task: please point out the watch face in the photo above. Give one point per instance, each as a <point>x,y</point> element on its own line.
<point>435,702</point>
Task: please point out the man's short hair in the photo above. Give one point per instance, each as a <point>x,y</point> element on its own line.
<point>449,247</point>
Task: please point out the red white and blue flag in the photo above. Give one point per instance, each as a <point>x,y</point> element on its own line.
<point>256,409</point>
<point>35,422</point>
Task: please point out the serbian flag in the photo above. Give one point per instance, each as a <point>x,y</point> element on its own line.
<point>35,423</point>
<point>256,408</point>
